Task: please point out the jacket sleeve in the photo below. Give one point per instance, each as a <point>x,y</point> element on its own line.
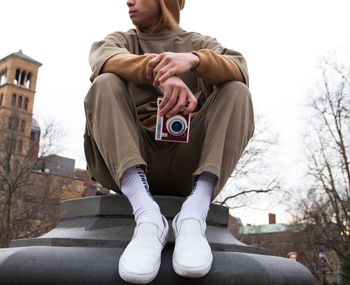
<point>218,64</point>
<point>113,55</point>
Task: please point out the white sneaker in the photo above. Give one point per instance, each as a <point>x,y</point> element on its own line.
<point>140,260</point>
<point>192,255</point>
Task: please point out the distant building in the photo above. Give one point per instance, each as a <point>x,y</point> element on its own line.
<point>56,164</point>
<point>281,238</point>
<point>91,187</point>
<point>278,238</point>
<point>18,76</point>
<point>42,182</point>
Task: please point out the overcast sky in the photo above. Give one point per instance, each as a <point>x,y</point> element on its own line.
<point>281,40</point>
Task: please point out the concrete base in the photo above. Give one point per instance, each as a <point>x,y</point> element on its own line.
<point>86,245</point>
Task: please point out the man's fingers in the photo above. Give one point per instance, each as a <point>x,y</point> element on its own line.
<point>171,72</point>
<point>160,69</point>
<point>149,70</point>
<point>170,103</point>
<point>157,75</point>
<point>192,103</point>
<point>166,72</point>
<point>151,65</point>
<point>165,99</point>
<point>180,104</point>
<point>177,97</point>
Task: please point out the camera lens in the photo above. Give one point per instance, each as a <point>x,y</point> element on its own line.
<point>176,125</point>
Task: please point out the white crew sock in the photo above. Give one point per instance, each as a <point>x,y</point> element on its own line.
<point>196,206</point>
<point>135,187</point>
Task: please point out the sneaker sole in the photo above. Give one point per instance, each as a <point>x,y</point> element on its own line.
<point>137,278</point>
<point>192,272</point>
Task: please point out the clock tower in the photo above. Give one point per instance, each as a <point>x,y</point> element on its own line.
<point>18,76</point>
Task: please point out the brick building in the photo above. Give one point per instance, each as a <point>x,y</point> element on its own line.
<point>280,238</point>
<point>91,187</point>
<point>18,76</point>
<point>31,188</point>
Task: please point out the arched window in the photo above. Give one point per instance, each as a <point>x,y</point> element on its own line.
<point>19,102</point>
<point>17,78</point>
<point>28,80</point>
<point>25,105</point>
<point>3,75</point>
<point>13,100</point>
<point>22,78</point>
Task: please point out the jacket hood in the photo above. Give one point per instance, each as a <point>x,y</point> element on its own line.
<point>170,19</point>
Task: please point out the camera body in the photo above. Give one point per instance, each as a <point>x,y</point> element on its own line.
<point>174,129</point>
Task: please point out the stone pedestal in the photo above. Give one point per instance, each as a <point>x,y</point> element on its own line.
<point>86,245</point>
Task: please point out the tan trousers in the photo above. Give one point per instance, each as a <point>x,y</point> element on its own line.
<point>116,140</point>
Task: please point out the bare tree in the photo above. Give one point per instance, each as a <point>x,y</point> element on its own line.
<point>51,135</point>
<point>22,198</point>
<point>249,176</point>
<point>324,210</point>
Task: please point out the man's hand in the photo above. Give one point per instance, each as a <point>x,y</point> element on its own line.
<point>177,97</point>
<point>165,65</point>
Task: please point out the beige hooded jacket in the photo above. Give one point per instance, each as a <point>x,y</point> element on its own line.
<point>125,54</point>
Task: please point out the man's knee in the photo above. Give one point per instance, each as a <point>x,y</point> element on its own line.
<point>106,86</point>
<point>236,96</point>
<point>106,79</point>
<point>234,91</point>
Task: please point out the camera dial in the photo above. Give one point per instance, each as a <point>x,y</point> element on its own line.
<point>176,125</point>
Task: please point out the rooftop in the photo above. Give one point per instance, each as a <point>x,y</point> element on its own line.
<point>270,228</point>
<point>21,55</point>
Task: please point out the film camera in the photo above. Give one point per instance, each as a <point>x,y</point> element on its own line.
<point>174,129</point>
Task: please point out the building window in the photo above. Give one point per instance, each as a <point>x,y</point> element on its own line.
<point>28,80</point>
<point>3,77</point>
<point>23,78</point>
<point>23,125</point>
<point>15,124</point>
<point>78,188</point>
<point>10,144</point>
<point>19,102</point>
<point>25,104</point>
<point>17,77</point>
<point>13,100</point>
<point>1,98</point>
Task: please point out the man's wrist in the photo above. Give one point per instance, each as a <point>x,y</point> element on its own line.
<point>194,60</point>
